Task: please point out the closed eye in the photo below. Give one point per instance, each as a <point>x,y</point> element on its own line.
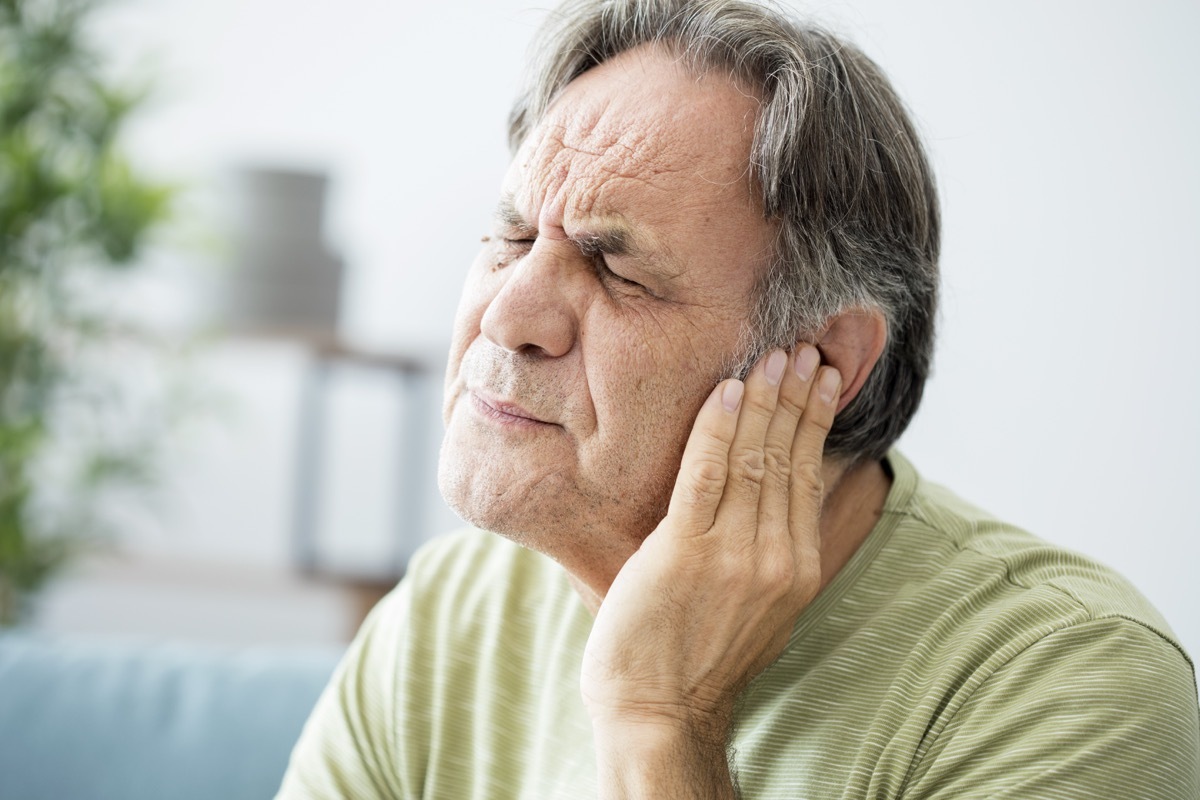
<point>607,272</point>
<point>592,247</point>
<point>517,244</point>
<point>508,249</point>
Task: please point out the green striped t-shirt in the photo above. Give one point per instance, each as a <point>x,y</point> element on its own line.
<point>953,657</point>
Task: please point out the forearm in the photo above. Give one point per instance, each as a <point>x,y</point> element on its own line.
<point>649,760</point>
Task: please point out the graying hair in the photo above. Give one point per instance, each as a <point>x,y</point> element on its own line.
<point>837,163</point>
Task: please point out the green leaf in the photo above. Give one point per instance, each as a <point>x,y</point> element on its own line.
<point>71,205</point>
<point>128,207</point>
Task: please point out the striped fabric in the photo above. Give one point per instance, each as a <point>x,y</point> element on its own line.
<point>953,657</point>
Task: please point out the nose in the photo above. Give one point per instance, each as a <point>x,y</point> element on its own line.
<point>532,313</point>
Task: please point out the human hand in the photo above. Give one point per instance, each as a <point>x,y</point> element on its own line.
<point>710,598</point>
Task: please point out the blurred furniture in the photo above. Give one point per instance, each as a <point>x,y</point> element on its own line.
<point>94,719</point>
<point>413,374</point>
<point>286,283</point>
<point>220,602</point>
<point>283,277</point>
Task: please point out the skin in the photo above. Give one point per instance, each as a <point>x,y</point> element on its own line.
<point>577,378</point>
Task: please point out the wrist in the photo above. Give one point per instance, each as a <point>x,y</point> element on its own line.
<point>699,712</point>
<point>662,725</point>
<point>641,756</point>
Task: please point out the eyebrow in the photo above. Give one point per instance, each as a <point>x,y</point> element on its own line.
<point>507,216</point>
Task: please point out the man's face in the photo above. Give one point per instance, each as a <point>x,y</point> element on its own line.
<point>604,307</point>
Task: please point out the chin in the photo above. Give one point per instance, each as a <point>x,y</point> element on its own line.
<point>546,514</point>
<point>483,494</point>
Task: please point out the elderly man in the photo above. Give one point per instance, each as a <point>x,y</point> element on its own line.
<point>703,317</point>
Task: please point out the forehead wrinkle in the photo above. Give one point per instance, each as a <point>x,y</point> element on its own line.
<point>574,159</point>
<point>585,180</point>
<point>621,149</point>
<point>538,179</point>
<point>563,174</point>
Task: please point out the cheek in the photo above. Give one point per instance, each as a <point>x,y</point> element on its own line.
<point>483,282</point>
<point>645,413</point>
<point>479,290</point>
<point>650,387</point>
<point>652,376</point>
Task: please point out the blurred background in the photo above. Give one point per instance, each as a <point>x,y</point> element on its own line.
<point>331,167</point>
<point>232,236</point>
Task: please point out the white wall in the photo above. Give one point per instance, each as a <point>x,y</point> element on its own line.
<point>1064,135</point>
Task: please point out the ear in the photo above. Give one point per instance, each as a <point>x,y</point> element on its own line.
<point>853,342</point>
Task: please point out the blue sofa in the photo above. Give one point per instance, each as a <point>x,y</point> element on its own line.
<point>93,719</point>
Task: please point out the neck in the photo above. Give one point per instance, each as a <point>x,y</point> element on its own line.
<point>853,504</point>
<point>852,507</point>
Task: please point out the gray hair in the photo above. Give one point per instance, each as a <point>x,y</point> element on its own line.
<point>838,164</point>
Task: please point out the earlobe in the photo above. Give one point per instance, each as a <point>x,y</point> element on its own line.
<point>853,341</point>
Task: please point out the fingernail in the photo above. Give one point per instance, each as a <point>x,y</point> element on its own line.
<point>806,362</point>
<point>831,382</point>
<point>731,396</point>
<point>776,363</point>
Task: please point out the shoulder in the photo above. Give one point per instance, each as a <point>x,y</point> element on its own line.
<point>1053,672</point>
<point>1029,583</point>
<point>1101,708</point>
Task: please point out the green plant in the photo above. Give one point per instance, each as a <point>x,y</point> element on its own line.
<point>73,212</point>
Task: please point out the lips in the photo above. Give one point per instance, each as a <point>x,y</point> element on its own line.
<point>502,410</point>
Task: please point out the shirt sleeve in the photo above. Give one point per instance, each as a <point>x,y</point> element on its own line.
<point>1106,708</point>
<point>348,747</point>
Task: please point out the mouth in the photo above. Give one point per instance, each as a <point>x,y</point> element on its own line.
<point>502,411</point>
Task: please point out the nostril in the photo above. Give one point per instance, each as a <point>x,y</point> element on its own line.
<point>533,312</point>
<point>535,323</point>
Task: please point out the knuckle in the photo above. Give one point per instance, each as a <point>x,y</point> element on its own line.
<point>715,440</point>
<point>736,569</point>
<point>748,466</point>
<point>807,480</point>
<point>761,404</point>
<point>778,459</point>
<point>777,577</point>
<point>791,404</point>
<point>706,477</point>
<point>822,422</point>
<point>779,465</point>
<point>808,580</point>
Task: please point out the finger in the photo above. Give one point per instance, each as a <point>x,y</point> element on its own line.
<point>705,463</point>
<point>808,448</point>
<point>775,499</point>
<point>739,504</point>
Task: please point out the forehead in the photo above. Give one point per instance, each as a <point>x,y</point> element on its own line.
<point>643,138</point>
